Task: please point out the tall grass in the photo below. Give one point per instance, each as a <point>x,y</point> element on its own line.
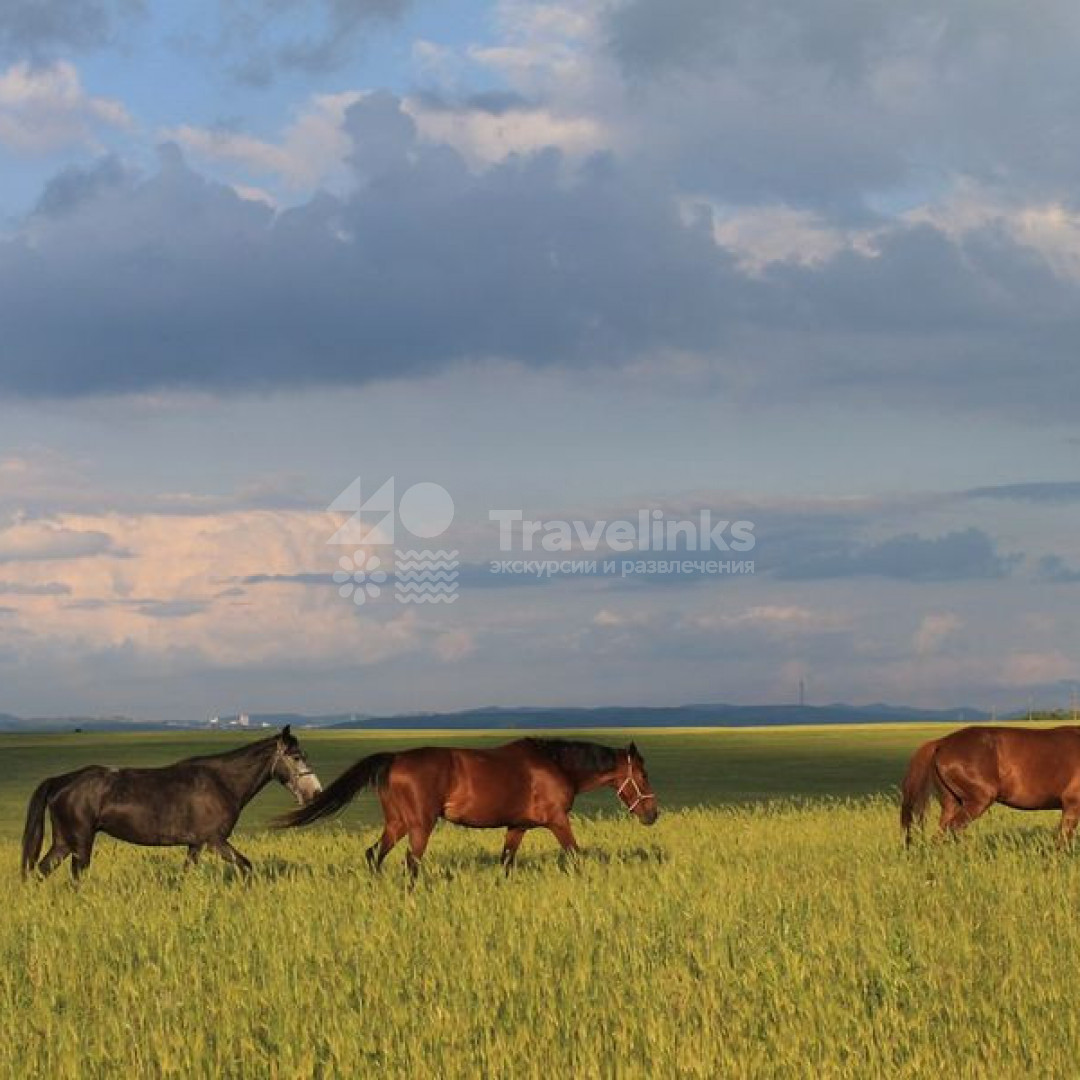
<point>779,941</point>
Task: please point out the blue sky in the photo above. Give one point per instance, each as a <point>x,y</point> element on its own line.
<point>815,266</point>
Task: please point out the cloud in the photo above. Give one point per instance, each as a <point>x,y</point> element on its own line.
<point>826,103</point>
<point>46,108</point>
<point>487,128</point>
<point>1052,491</point>
<point>48,588</point>
<point>775,620</point>
<point>1038,668</point>
<point>261,39</point>
<point>557,220</point>
<point>43,541</point>
<point>968,554</point>
<point>412,273</point>
<point>934,630</point>
<point>311,151</point>
<point>42,27</point>
<point>455,645</point>
<point>165,601</point>
<point>1053,568</point>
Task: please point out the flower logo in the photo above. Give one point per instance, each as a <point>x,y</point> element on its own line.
<point>359,577</point>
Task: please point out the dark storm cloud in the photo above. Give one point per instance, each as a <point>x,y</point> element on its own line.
<point>825,103</point>
<point>262,38</point>
<point>39,28</point>
<point>175,281</point>
<point>1053,568</point>
<point>74,185</point>
<point>969,554</point>
<point>122,284</point>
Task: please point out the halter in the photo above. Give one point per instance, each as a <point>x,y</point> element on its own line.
<point>635,789</point>
<point>303,770</point>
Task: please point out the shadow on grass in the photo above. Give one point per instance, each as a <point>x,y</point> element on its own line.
<point>449,866</point>
<point>1024,839</point>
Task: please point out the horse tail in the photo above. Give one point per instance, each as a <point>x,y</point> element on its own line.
<point>34,829</point>
<point>332,799</point>
<point>917,786</point>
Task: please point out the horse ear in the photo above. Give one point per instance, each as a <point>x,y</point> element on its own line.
<point>632,749</point>
<point>286,731</point>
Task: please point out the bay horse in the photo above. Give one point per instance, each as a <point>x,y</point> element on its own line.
<point>523,785</point>
<point>971,769</point>
<point>193,803</point>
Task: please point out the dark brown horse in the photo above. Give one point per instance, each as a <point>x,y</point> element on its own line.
<point>193,804</point>
<point>971,769</point>
<point>528,784</point>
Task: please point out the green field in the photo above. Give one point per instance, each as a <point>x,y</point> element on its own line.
<point>688,769</point>
<point>770,924</point>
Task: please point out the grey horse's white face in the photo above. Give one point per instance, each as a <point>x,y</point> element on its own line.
<point>294,771</point>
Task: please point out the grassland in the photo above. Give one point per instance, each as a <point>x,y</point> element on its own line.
<point>769,925</point>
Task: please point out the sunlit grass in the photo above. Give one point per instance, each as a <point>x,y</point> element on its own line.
<point>782,941</point>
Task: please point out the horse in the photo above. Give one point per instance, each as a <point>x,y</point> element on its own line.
<point>971,769</point>
<point>193,803</point>
<point>523,785</point>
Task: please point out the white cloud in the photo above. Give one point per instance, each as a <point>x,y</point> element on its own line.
<point>46,108</point>
<point>762,235</point>
<point>483,137</point>
<point>1049,227</point>
<point>1037,668</point>
<point>776,619</point>
<point>455,645</point>
<point>310,151</point>
<point>934,630</point>
<point>183,588</point>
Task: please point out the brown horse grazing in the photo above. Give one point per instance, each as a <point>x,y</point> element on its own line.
<point>527,784</point>
<point>193,804</point>
<point>969,770</point>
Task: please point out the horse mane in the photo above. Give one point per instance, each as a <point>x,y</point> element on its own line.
<point>235,752</point>
<point>576,755</point>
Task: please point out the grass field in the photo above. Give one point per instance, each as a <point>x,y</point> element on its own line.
<point>769,925</point>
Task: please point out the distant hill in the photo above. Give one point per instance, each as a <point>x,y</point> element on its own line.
<point>665,716</point>
<point>72,723</point>
<point>497,717</point>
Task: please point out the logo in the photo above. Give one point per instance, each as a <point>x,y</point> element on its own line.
<point>359,577</point>
<point>421,576</point>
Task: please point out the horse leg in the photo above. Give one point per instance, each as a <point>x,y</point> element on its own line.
<point>56,854</point>
<point>950,807</point>
<point>510,848</point>
<point>973,805</point>
<point>376,854</point>
<point>419,835</point>
<point>565,835</point>
<point>80,857</point>
<point>60,848</point>
<point>192,859</point>
<point>231,855</point>
<point>1070,815</point>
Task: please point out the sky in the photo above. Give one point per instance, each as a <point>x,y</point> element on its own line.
<point>815,267</point>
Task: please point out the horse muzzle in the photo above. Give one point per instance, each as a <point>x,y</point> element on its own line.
<point>306,788</point>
